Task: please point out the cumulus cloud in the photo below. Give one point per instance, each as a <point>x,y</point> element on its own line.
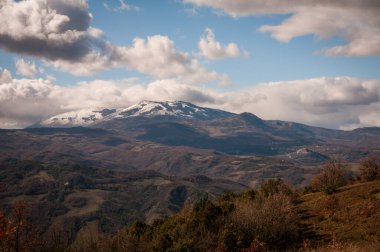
<point>155,56</point>
<point>26,68</point>
<point>341,102</point>
<point>5,76</point>
<point>49,29</point>
<point>25,100</point>
<point>357,21</point>
<point>212,49</point>
<point>59,32</point>
<point>330,102</point>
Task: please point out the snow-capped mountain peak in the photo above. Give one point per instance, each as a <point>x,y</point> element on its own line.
<point>171,108</point>
<point>148,109</point>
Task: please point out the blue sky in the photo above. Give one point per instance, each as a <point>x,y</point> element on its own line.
<point>329,48</point>
<point>269,60</point>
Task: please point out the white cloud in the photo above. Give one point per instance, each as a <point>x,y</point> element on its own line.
<point>212,49</point>
<point>5,76</point>
<point>238,8</point>
<point>329,102</point>
<point>357,21</point>
<point>341,102</point>
<point>26,68</point>
<point>23,101</point>
<point>123,6</point>
<point>155,56</point>
<point>158,57</point>
<point>191,12</point>
<point>59,32</point>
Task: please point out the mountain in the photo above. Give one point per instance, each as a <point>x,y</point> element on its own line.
<point>177,109</point>
<point>147,109</point>
<point>82,117</point>
<point>146,160</point>
<point>181,139</point>
<point>118,152</point>
<point>179,123</point>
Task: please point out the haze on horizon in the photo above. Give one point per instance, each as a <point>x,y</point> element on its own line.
<point>314,63</point>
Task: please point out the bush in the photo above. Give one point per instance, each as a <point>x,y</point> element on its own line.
<point>331,177</point>
<point>273,221</point>
<point>278,186</point>
<point>251,221</point>
<point>369,168</point>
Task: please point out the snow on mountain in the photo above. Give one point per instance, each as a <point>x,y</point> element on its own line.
<point>83,117</point>
<point>171,108</point>
<point>178,109</point>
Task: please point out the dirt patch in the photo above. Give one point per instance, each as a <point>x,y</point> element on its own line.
<point>93,199</point>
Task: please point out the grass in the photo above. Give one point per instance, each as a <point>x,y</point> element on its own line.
<point>94,199</point>
<point>350,216</point>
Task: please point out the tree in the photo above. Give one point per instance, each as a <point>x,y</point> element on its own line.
<point>16,234</point>
<point>331,177</point>
<point>6,232</point>
<point>369,168</point>
<point>272,187</point>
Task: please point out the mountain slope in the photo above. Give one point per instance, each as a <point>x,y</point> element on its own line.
<point>114,151</point>
<point>64,198</point>
<point>83,117</point>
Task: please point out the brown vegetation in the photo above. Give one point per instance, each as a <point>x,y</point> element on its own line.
<point>331,177</point>
<point>369,168</point>
<point>16,234</point>
<point>273,218</point>
<point>252,221</point>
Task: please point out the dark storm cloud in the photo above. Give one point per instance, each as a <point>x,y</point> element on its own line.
<point>43,48</point>
<point>80,18</point>
<point>48,29</point>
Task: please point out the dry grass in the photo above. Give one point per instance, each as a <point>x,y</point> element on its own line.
<point>86,237</point>
<point>351,216</point>
<point>94,199</point>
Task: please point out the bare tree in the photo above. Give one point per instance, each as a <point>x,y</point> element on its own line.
<point>16,234</point>
<point>369,168</point>
<point>331,177</point>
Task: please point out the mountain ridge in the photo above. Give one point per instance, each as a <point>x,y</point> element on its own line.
<point>179,123</point>
<point>145,108</point>
<point>90,117</point>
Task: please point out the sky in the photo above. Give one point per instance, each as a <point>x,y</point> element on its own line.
<point>313,62</point>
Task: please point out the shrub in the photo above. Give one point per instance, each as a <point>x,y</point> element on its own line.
<point>273,221</point>
<point>251,221</point>
<point>272,187</point>
<point>369,168</point>
<point>331,177</point>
